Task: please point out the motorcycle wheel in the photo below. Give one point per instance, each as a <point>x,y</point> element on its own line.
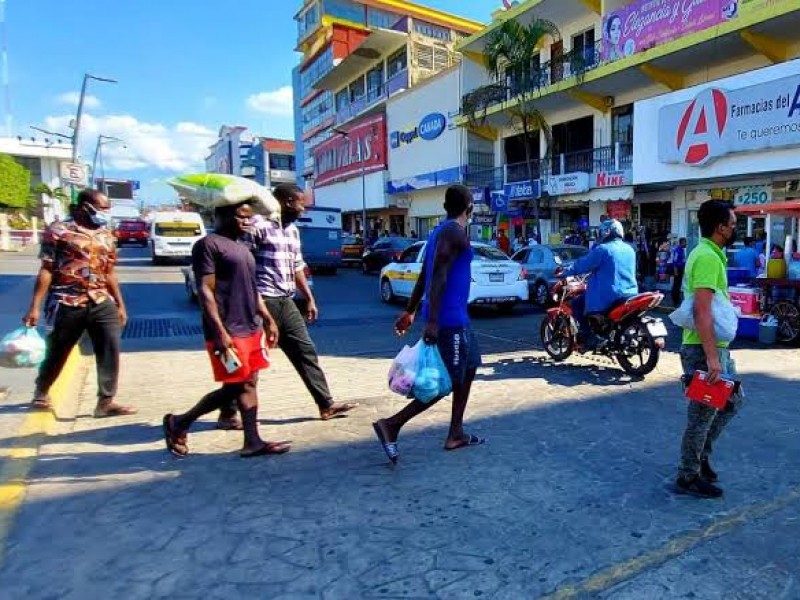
<point>640,353</point>
<point>557,337</point>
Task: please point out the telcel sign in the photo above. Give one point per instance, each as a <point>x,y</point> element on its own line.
<point>430,127</point>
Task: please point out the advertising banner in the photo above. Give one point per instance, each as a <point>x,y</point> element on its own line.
<point>569,183</point>
<point>524,190</point>
<point>645,24</point>
<point>341,157</point>
<point>717,122</point>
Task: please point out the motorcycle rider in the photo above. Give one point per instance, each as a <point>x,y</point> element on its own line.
<point>612,267</point>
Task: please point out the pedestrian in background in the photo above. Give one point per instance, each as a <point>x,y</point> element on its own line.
<point>503,243</point>
<point>706,275</point>
<point>280,272</point>
<point>83,296</point>
<point>678,269</point>
<point>443,291</point>
<point>747,258</point>
<point>234,322</point>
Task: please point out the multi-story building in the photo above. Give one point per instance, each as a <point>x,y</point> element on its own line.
<point>268,161</point>
<point>43,159</point>
<point>652,64</point>
<point>357,54</point>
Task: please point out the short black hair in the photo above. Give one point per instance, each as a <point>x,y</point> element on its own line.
<point>227,211</point>
<point>88,196</point>
<point>286,192</point>
<point>748,241</point>
<point>712,214</point>
<point>457,199</point>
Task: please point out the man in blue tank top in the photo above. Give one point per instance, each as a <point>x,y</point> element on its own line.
<point>442,291</point>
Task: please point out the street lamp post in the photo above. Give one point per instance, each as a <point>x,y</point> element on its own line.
<point>77,129</point>
<point>101,140</point>
<point>346,135</point>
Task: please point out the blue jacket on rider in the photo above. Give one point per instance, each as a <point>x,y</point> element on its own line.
<point>612,265</point>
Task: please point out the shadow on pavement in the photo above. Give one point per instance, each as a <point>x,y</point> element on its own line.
<point>561,490</point>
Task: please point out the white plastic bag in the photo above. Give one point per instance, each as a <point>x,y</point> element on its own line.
<point>23,347</point>
<point>403,371</point>
<point>726,316</point>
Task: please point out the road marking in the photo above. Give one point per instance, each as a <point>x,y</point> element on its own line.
<point>674,548</point>
<point>20,459</point>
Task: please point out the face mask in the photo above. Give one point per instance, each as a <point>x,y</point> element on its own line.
<point>731,240</point>
<point>469,221</point>
<point>101,218</point>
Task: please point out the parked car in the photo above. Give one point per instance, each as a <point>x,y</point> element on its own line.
<point>540,263</point>
<point>190,285</point>
<point>352,250</point>
<point>383,252</point>
<point>132,231</point>
<point>496,279</point>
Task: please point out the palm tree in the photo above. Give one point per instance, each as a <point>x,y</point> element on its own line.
<point>511,56</point>
<point>57,193</point>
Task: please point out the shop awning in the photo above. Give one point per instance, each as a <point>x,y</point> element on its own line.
<point>776,209</point>
<point>612,194</point>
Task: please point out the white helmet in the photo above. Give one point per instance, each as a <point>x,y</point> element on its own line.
<point>610,229</point>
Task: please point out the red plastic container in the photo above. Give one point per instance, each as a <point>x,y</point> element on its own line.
<point>715,396</point>
<point>747,299</point>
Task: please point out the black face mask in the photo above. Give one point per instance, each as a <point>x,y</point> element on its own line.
<point>731,240</point>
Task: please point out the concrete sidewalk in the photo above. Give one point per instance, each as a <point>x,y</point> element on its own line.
<point>570,497</point>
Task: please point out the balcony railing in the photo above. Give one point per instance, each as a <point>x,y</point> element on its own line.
<point>575,63</point>
<point>618,157</point>
<point>394,84</point>
<point>491,178</point>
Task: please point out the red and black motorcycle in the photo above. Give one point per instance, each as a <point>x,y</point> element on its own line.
<point>624,333</point>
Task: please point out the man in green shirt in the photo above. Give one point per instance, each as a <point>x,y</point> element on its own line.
<point>705,276</point>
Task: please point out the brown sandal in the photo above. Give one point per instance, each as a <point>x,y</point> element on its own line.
<point>113,410</point>
<point>176,444</point>
<point>41,403</point>
<point>268,448</point>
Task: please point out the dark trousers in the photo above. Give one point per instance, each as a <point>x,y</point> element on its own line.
<point>677,284</point>
<point>298,348</point>
<point>101,322</point>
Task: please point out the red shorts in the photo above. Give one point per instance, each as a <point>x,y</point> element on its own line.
<point>253,353</point>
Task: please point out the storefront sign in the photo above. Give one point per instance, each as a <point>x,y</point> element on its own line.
<point>340,157</point>
<point>430,127</point>
<point>749,196</point>
<point>645,24</point>
<point>718,122</point>
<point>620,210</point>
<point>480,195</point>
<point>525,190</point>
<point>484,219</point>
<point>571,183</point>
<point>604,179</point>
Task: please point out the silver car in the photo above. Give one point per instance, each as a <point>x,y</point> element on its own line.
<point>540,263</point>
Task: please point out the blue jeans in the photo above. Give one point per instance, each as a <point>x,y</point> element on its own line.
<point>579,312</point>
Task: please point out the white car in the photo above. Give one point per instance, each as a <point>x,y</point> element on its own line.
<point>496,279</point>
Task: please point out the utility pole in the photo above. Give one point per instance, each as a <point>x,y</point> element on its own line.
<point>101,140</point>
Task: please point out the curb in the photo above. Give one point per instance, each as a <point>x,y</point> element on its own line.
<point>33,433</point>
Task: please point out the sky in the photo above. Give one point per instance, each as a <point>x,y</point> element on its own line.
<point>184,68</point>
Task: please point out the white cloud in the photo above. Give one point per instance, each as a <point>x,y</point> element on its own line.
<point>72,99</point>
<point>179,147</point>
<point>277,102</point>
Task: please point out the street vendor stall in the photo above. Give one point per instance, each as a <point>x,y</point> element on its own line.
<point>780,286</point>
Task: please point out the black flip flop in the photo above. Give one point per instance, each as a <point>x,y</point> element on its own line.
<point>470,440</point>
<point>390,448</point>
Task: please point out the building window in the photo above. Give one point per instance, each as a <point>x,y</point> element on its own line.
<point>375,82</point>
<point>342,99</point>
<point>432,31</point>
<point>344,9</point>
<point>308,21</point>
<point>317,111</point>
<point>382,18</point>
<point>583,46</point>
<point>315,71</point>
<point>397,62</point>
<point>357,89</point>
<point>622,124</point>
<point>431,58</point>
<point>283,162</point>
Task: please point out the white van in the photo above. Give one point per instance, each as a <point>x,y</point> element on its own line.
<point>173,234</point>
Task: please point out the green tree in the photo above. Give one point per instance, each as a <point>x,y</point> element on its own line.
<point>511,56</point>
<point>56,193</point>
<point>15,183</point>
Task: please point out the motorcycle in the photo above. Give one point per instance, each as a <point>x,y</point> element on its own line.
<point>624,333</point>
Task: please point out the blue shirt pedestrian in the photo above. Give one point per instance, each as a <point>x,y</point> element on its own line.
<point>747,258</point>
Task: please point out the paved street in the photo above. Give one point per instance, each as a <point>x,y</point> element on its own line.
<point>570,497</point>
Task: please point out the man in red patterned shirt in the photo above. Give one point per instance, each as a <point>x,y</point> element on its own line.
<point>83,295</point>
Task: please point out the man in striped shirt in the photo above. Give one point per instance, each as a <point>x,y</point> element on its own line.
<point>280,272</point>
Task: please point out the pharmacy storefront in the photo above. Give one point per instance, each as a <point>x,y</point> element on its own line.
<point>736,139</point>
<point>425,149</point>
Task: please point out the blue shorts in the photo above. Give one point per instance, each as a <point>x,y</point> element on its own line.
<point>460,352</point>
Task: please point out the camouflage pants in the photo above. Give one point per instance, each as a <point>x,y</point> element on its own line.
<point>705,424</point>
